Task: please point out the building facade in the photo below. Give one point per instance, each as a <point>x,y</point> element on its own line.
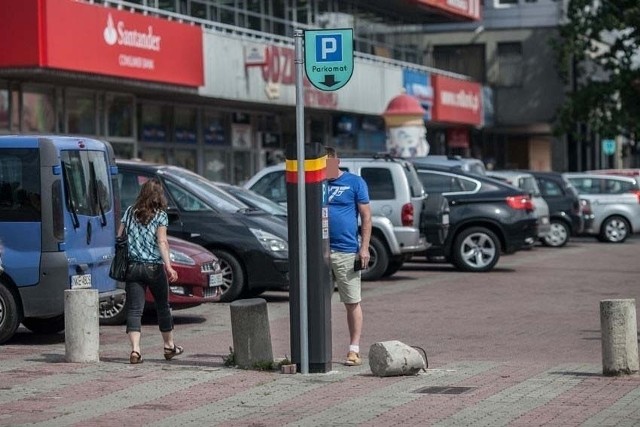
<point>201,84</point>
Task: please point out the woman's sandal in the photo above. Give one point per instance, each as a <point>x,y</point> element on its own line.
<point>170,353</point>
<point>135,358</point>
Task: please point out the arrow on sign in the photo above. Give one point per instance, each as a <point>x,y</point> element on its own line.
<point>329,80</point>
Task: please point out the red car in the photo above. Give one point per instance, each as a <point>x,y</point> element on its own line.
<point>199,281</point>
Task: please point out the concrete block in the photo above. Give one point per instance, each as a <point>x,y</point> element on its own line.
<point>81,325</point>
<point>393,358</point>
<point>619,336</point>
<point>251,333</point>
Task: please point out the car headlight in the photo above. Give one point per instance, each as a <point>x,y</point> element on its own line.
<point>269,241</point>
<point>180,257</point>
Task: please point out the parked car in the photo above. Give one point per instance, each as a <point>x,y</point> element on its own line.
<point>615,204</point>
<point>566,212</point>
<point>527,182</point>
<point>254,199</point>
<point>487,218</point>
<point>404,220</point>
<point>251,245</point>
<point>465,164</point>
<point>199,277</point>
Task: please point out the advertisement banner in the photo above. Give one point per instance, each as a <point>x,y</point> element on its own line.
<point>91,38</point>
<point>469,9</point>
<point>457,101</point>
<point>418,85</point>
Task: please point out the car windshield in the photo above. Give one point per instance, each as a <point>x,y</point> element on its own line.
<point>256,200</point>
<point>205,189</point>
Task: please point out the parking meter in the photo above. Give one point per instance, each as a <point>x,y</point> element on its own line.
<point>319,286</point>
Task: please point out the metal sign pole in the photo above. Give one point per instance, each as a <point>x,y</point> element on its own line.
<point>302,214</point>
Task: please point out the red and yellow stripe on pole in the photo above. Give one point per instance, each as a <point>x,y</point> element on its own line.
<point>315,170</point>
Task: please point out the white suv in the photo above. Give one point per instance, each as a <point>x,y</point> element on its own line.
<point>405,220</point>
<point>615,204</point>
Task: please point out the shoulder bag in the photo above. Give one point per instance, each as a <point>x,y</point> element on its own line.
<point>120,262</point>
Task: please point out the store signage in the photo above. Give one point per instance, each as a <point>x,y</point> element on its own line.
<point>469,9</point>
<point>457,101</point>
<point>418,85</point>
<point>255,55</point>
<point>108,41</point>
<point>328,57</point>
<point>280,70</point>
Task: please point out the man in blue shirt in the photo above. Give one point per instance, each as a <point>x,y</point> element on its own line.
<point>348,197</point>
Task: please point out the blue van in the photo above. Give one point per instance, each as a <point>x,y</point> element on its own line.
<point>57,227</point>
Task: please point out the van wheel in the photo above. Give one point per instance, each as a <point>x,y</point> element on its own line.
<point>113,313</point>
<point>9,314</point>
<point>615,229</point>
<point>232,275</point>
<point>50,325</point>
<point>476,249</point>
<point>379,261</point>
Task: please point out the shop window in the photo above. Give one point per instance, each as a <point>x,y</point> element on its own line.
<point>154,122</point>
<point>185,159</point>
<point>123,150</point>
<point>214,129</point>
<point>81,113</point>
<point>185,126</point>
<point>153,155</point>
<point>242,169</point>
<point>216,165</point>
<point>198,10</point>
<point>120,116</point>
<point>510,64</point>
<point>38,112</point>
<point>4,107</point>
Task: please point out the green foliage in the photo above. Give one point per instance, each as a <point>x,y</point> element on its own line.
<point>264,365</point>
<point>284,361</point>
<point>230,359</point>
<point>597,54</point>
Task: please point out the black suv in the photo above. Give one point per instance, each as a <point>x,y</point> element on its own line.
<point>250,244</point>
<point>565,213</point>
<point>487,217</point>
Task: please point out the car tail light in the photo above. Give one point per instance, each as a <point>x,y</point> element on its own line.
<point>637,193</point>
<point>407,215</point>
<point>522,202</point>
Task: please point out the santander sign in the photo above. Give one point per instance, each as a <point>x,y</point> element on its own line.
<point>133,38</point>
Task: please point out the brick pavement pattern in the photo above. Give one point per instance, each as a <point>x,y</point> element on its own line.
<point>547,374</point>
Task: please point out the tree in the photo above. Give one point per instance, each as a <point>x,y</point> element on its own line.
<point>598,52</point>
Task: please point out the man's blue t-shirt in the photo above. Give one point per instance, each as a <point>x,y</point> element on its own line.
<point>345,193</point>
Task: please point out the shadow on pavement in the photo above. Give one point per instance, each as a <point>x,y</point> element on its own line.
<point>26,337</point>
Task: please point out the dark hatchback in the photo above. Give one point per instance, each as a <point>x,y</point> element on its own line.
<point>565,208</point>
<point>251,245</point>
<point>487,217</point>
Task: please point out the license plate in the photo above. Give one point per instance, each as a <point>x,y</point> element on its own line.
<point>445,219</point>
<point>215,280</point>
<point>80,281</point>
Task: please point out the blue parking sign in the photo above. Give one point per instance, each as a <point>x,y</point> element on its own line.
<point>328,57</point>
<point>329,48</point>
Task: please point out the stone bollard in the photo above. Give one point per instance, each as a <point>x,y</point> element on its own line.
<point>619,336</point>
<point>81,325</point>
<point>251,334</point>
<point>393,358</point>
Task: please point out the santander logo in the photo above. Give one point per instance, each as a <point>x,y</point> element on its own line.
<point>125,37</point>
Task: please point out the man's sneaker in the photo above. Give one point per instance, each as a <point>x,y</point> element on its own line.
<point>353,359</point>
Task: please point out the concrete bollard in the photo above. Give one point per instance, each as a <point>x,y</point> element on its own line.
<point>619,336</point>
<point>393,358</point>
<point>81,325</point>
<point>251,334</point>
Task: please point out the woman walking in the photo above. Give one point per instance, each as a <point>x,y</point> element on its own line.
<point>146,224</point>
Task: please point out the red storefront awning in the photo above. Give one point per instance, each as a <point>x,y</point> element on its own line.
<point>468,9</point>
<point>80,37</point>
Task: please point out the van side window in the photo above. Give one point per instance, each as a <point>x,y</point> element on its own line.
<point>380,183</point>
<point>20,185</point>
<point>88,178</point>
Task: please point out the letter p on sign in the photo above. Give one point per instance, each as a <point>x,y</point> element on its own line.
<point>329,48</point>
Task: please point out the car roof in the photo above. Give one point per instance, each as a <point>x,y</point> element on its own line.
<point>599,176</point>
